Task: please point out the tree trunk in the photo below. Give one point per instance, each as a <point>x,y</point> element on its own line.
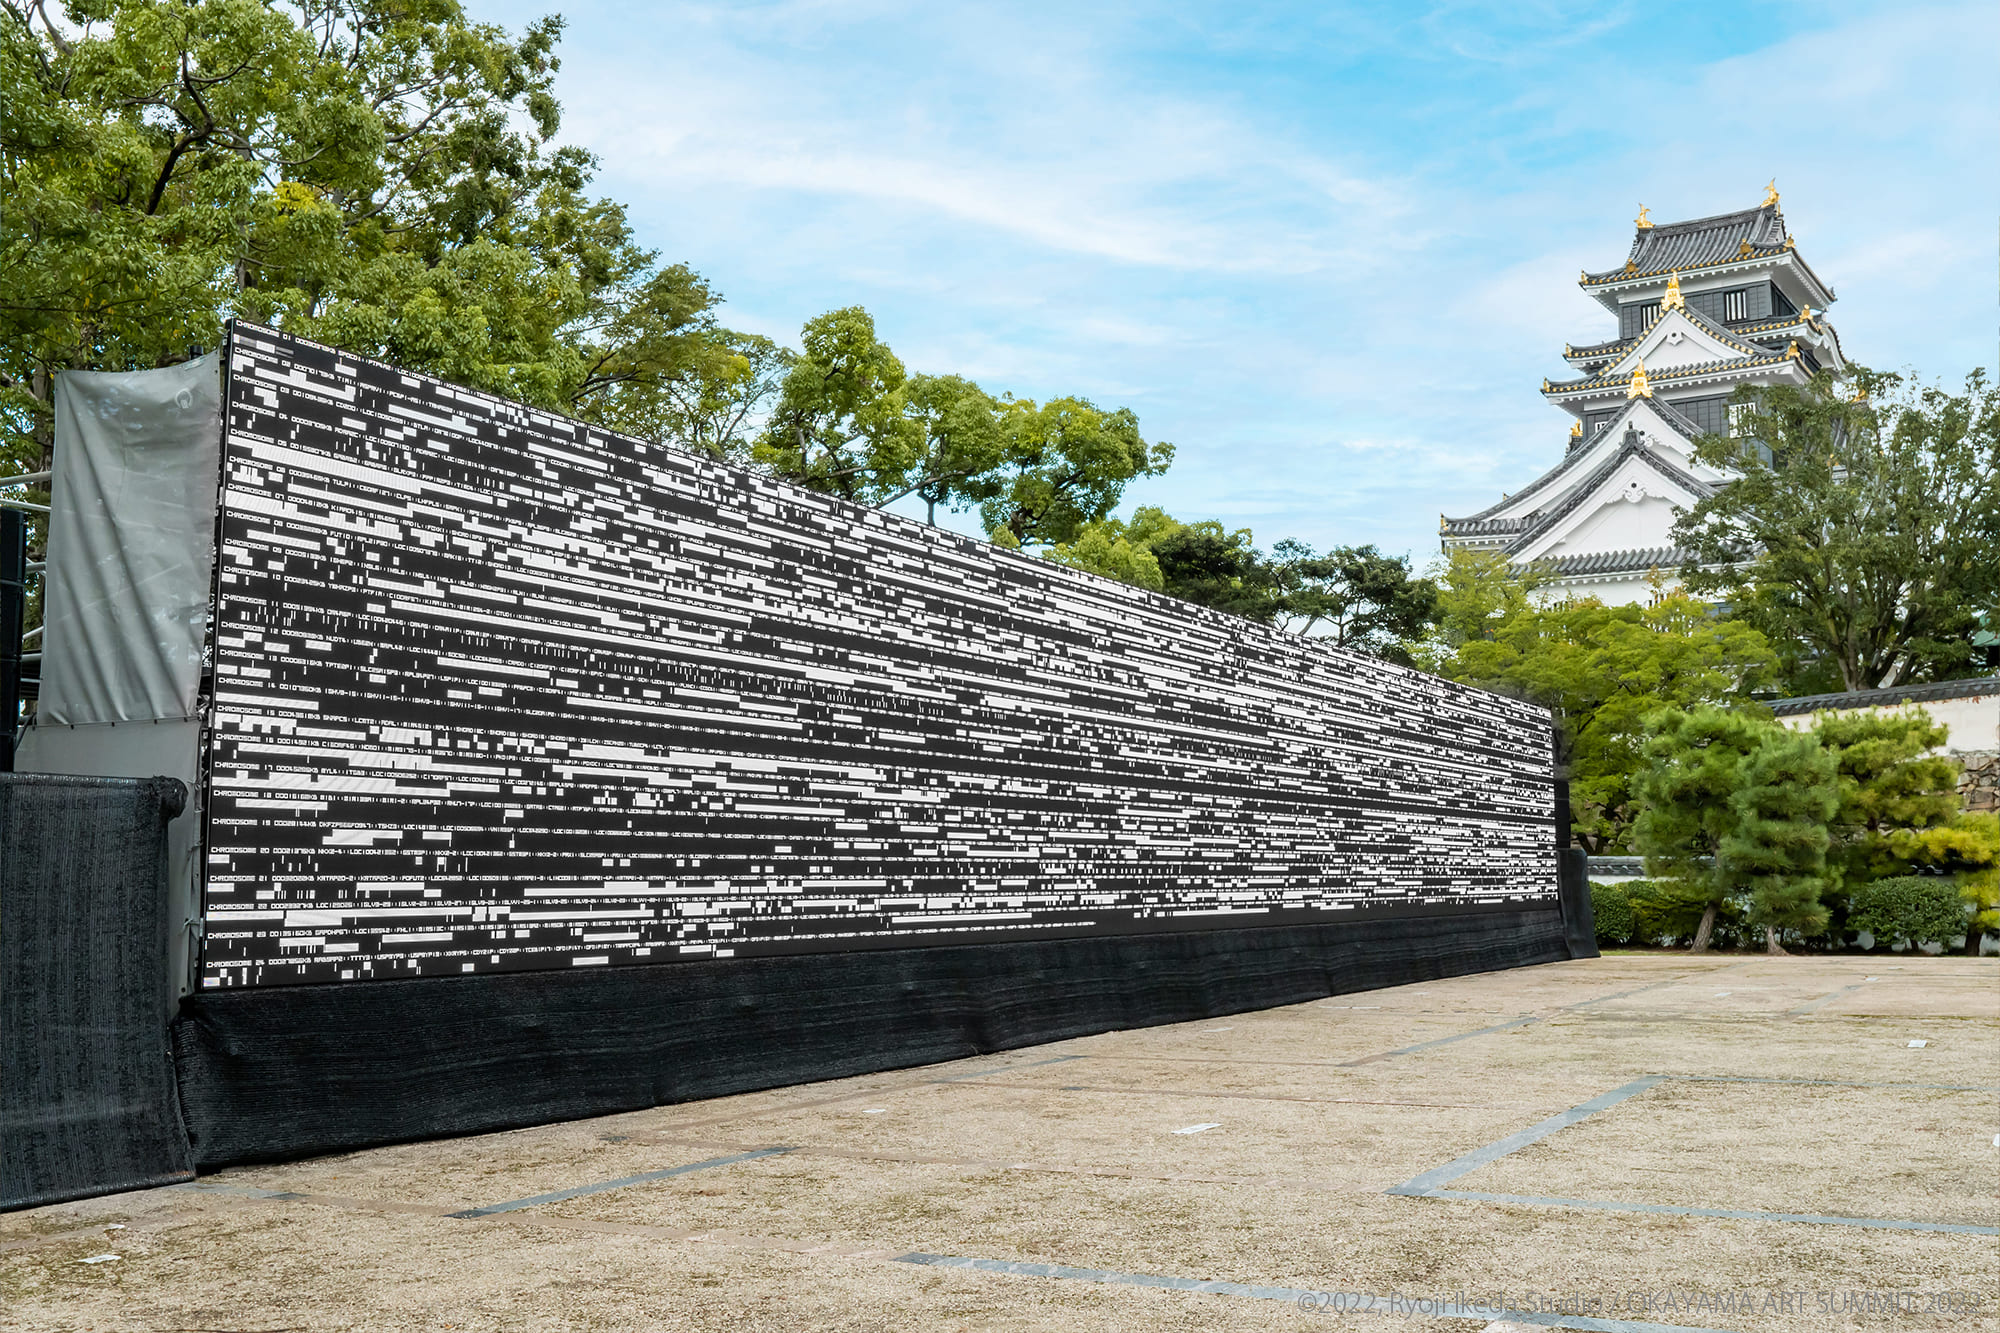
<point>41,386</point>
<point>1972,937</point>
<point>1771,944</point>
<point>1704,930</point>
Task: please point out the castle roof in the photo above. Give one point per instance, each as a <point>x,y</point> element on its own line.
<point>1616,562</point>
<point>1482,524</point>
<point>1522,531</point>
<point>1667,246</point>
<point>1558,388</point>
<point>1726,238</point>
<point>1634,446</point>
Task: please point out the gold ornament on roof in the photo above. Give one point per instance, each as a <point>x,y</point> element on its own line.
<point>1576,430</point>
<point>1643,222</point>
<point>1672,300</point>
<point>1639,388</point>
<point>1743,250</point>
<point>1792,352</point>
<point>1771,193</point>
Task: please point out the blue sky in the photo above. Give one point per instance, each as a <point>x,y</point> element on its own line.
<point>1329,251</point>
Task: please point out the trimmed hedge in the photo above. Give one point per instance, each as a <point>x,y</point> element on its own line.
<point>1611,907</point>
<point>1916,909</point>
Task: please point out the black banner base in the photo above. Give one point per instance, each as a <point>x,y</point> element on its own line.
<point>301,1070</point>
<point>86,1089</point>
<point>1573,890</point>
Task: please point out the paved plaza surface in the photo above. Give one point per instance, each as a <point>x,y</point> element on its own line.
<point>1641,1141</point>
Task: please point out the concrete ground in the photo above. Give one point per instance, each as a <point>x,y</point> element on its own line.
<point>1091,1184</point>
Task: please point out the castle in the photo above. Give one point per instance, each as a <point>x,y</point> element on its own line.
<point>1703,308</point>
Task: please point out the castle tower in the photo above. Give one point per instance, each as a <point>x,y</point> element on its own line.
<point>1703,308</point>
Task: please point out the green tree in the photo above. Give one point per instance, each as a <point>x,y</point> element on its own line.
<point>1694,761</point>
<point>1891,786</point>
<point>378,175</point>
<point>960,444</point>
<point>1475,590</point>
<point>1602,670</point>
<point>1209,566</point>
<point>715,406</point>
<point>1355,596</point>
<point>1786,791</point>
<point>1065,466</point>
<point>1967,847</point>
<point>1119,550</point>
<point>1869,537</point>
<point>839,424</point>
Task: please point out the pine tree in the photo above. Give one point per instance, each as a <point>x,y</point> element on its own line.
<point>1694,761</point>
<point>1891,782</point>
<point>1786,792</point>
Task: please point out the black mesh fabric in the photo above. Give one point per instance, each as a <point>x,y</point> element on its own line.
<point>291,1071</point>
<point>87,1098</point>
<point>1573,888</point>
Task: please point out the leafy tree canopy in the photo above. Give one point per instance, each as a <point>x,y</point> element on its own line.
<point>839,424</point>
<point>1869,537</point>
<point>1353,596</point>
<point>1198,562</point>
<point>1065,466</point>
<point>377,174</point>
<point>1602,670</point>
<point>1205,564</point>
<point>1119,549</point>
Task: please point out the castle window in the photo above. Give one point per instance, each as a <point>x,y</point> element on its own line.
<point>1633,319</point>
<point>1736,304</point>
<point>1709,415</point>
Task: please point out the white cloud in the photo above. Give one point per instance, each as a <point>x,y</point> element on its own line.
<point>1337,297</point>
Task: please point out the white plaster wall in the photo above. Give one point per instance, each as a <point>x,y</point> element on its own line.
<point>1974,722</point>
<point>1622,525</point>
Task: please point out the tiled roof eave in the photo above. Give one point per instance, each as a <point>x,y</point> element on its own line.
<point>1601,351</point>
<point>1600,383</point>
<point>1475,526</point>
<point>1938,690</point>
<point>1612,280</point>
<point>1758,255</point>
<point>1614,562</point>
<point>1617,347</point>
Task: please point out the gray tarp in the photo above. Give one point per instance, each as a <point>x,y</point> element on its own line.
<point>131,551</point>
<point>131,542</point>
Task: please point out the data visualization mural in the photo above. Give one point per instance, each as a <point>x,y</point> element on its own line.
<point>494,690</point>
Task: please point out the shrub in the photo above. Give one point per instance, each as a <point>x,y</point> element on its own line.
<point>1916,909</point>
<point>1611,909</point>
<point>1668,911</point>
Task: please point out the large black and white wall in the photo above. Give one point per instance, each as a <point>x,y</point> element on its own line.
<point>496,691</point>
<point>544,772</point>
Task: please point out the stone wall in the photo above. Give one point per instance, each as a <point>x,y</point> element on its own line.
<point>1980,783</point>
